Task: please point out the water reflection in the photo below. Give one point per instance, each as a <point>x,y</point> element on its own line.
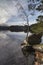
<point>2,35</point>
<point>11,52</point>
<point>10,49</point>
<point>29,54</point>
<point>27,49</point>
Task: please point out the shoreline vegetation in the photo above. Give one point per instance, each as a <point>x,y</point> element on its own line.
<point>34,28</point>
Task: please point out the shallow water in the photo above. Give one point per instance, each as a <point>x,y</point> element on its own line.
<point>10,49</point>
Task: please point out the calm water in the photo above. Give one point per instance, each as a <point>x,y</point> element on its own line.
<point>10,49</point>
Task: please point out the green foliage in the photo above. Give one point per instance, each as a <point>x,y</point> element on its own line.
<point>40,18</point>
<point>37,28</point>
<point>40,7</point>
<point>41,1</point>
<point>35,39</point>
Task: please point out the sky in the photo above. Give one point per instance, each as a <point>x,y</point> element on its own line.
<point>11,12</point>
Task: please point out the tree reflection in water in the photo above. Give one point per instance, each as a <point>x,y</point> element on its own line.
<point>28,49</point>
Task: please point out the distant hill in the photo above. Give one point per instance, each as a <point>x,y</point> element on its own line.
<point>34,28</point>
<point>4,28</point>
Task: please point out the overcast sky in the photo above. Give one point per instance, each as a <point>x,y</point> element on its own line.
<point>9,12</point>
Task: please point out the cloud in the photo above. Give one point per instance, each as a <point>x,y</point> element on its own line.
<point>7,9</point>
<point>3,15</point>
<point>9,12</point>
